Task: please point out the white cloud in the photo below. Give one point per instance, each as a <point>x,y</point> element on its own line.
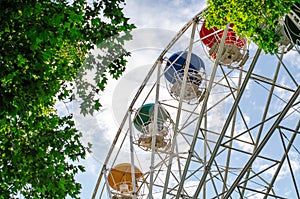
<point>256,195</point>
<point>285,170</point>
<point>157,22</point>
<point>100,129</point>
<point>164,14</point>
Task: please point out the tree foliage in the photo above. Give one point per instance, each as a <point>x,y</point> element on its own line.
<point>256,19</point>
<point>43,45</point>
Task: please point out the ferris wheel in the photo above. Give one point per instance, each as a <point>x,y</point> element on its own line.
<point>221,120</point>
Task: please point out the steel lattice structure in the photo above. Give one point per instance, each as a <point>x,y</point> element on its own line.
<point>239,139</point>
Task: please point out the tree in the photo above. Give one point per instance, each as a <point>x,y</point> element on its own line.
<point>43,47</point>
<point>256,20</point>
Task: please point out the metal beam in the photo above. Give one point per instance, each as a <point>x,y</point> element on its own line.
<point>172,42</point>
<point>226,125</point>
<point>155,130</point>
<point>282,160</point>
<point>182,92</point>
<point>263,142</point>
<point>107,185</point>
<point>202,112</point>
<point>268,102</point>
<point>232,131</point>
<point>132,156</point>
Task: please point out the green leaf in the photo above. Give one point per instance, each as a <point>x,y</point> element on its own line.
<point>43,47</point>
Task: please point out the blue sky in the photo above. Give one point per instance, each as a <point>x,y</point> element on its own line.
<point>149,17</point>
<point>157,22</point>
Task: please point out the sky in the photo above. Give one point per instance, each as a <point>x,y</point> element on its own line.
<point>157,22</point>
<point>154,19</point>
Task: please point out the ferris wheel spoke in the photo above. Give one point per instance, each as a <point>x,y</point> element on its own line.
<point>283,159</point>
<point>201,114</point>
<point>286,156</point>
<point>239,111</point>
<point>266,110</point>
<point>186,69</point>
<point>263,142</point>
<point>287,70</point>
<point>222,134</point>
<point>211,126</point>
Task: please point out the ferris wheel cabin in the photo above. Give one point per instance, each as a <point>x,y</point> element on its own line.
<point>174,73</point>
<point>234,50</point>
<point>292,24</point>
<point>144,123</point>
<point>120,180</point>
